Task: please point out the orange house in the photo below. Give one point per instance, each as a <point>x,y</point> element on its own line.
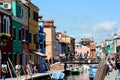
<point>92,50</point>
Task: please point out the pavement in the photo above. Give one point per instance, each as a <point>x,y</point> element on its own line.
<point>111,76</point>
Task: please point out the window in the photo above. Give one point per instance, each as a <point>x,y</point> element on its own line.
<point>14,34</point>
<point>22,12</point>
<point>4,27</point>
<point>35,38</point>
<point>23,34</point>
<point>35,16</point>
<point>19,34</point>
<point>27,35</point>
<point>28,13</point>
<point>29,38</point>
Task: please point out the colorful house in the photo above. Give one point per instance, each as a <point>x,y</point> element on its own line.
<point>68,44</point>
<point>24,33</point>
<point>50,32</point>
<point>92,50</point>
<point>16,41</point>
<point>81,49</point>
<point>41,42</point>
<point>17,11</point>
<point>33,30</point>
<point>5,27</point>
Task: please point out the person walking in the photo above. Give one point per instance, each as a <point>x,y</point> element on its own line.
<point>117,64</point>
<point>17,69</point>
<point>29,69</point>
<point>35,70</point>
<point>109,66</point>
<point>4,70</point>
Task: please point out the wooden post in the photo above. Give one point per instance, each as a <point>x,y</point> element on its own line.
<point>65,66</point>
<point>10,70</point>
<point>49,71</point>
<point>13,68</point>
<point>102,69</point>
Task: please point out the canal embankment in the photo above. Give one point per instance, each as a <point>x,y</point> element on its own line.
<point>53,68</point>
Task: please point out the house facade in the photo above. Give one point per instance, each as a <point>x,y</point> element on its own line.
<point>25,33</point>
<point>33,29</point>
<point>50,32</point>
<point>41,45</point>
<point>5,27</point>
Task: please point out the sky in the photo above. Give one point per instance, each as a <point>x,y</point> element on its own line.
<point>98,19</point>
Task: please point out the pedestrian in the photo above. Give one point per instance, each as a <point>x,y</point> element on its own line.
<point>35,70</point>
<point>29,68</point>
<point>80,57</point>
<point>4,70</point>
<point>109,66</point>
<point>117,64</point>
<point>18,69</point>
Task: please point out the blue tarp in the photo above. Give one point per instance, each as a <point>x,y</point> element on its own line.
<point>58,75</point>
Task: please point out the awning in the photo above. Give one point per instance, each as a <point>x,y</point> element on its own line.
<point>40,54</point>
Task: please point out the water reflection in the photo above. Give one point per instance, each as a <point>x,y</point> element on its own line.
<point>82,76</point>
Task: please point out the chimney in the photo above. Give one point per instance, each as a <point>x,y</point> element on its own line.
<point>49,22</point>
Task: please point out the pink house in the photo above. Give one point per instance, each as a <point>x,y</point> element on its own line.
<point>81,49</point>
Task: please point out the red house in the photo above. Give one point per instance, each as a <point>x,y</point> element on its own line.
<point>5,27</point>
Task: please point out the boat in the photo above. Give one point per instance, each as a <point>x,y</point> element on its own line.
<point>57,75</point>
<point>75,71</point>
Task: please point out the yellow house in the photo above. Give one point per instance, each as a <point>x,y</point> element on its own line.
<point>67,42</point>
<point>49,29</point>
<point>70,41</point>
<point>33,28</point>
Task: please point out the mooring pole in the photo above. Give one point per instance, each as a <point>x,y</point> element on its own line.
<point>65,66</point>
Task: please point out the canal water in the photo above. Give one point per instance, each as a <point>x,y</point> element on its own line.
<point>84,75</point>
<point>68,76</point>
<point>81,76</point>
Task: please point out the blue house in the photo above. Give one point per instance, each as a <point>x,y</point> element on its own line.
<point>42,45</point>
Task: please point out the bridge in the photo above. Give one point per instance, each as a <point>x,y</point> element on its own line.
<point>80,62</point>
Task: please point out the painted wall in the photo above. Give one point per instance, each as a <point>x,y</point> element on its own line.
<point>48,42</point>
<point>33,28</point>
<point>81,49</point>
<point>25,33</point>
<point>33,25</point>
<point>17,44</point>
<point>6,27</point>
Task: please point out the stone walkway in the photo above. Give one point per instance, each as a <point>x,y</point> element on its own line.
<point>111,76</point>
<point>55,67</point>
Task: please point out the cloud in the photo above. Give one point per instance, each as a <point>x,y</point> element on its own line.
<point>86,35</point>
<point>106,25</point>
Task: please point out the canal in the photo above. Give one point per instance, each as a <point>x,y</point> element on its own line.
<point>81,76</point>
<point>68,76</point>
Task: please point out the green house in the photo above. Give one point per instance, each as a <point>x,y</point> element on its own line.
<point>16,8</point>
